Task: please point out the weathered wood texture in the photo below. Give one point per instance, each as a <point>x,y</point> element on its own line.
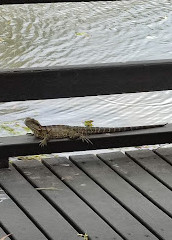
<point>152,163</point>
<point>143,209</point>
<point>27,145</point>
<point>144,182</point>
<point>85,80</point>
<point>109,208</point>
<point>14,220</point>
<point>83,217</point>
<point>41,212</point>
<point>166,154</point>
<point>109,196</point>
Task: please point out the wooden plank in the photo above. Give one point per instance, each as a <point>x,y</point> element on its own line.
<point>15,221</point>
<point>41,1</point>
<point>151,216</point>
<point>4,163</point>
<point>25,145</point>
<point>141,179</point>
<point>98,199</point>
<point>44,216</point>
<point>165,153</point>
<point>155,165</point>
<point>85,219</point>
<point>85,80</point>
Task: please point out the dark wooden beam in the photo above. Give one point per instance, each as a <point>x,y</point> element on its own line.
<point>3,2</point>
<point>85,80</point>
<point>29,145</point>
<point>4,162</point>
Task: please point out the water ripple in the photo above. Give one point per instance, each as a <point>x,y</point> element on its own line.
<point>75,33</point>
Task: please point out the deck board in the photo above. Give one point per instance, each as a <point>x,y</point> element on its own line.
<point>111,196</point>
<point>154,164</point>
<point>90,192</point>
<point>151,216</point>
<point>165,153</point>
<point>79,213</point>
<point>23,227</point>
<point>141,179</point>
<point>41,212</point>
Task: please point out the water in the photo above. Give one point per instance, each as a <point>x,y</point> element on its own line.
<point>57,34</point>
<point>81,33</point>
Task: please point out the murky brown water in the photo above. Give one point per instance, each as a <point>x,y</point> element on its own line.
<point>79,33</point>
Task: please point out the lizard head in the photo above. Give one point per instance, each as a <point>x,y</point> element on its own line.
<point>33,124</point>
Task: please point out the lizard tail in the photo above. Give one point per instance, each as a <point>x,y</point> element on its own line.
<point>99,130</point>
<point>124,129</point>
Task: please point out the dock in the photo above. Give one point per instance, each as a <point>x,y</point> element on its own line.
<point>110,196</point>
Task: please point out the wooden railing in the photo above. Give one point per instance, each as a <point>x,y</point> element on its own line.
<point>87,80</point>
<point>44,1</point>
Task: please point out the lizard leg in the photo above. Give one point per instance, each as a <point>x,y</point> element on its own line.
<point>75,135</point>
<point>44,141</point>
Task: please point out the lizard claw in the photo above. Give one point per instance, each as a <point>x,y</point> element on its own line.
<point>85,139</point>
<point>43,143</point>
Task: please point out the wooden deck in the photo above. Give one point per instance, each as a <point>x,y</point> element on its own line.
<point>110,196</point>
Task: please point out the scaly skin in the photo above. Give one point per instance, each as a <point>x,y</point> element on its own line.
<point>73,132</point>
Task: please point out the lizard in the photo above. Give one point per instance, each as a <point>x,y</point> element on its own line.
<point>45,133</point>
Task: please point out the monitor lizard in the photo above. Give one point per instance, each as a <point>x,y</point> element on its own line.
<point>74,132</point>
